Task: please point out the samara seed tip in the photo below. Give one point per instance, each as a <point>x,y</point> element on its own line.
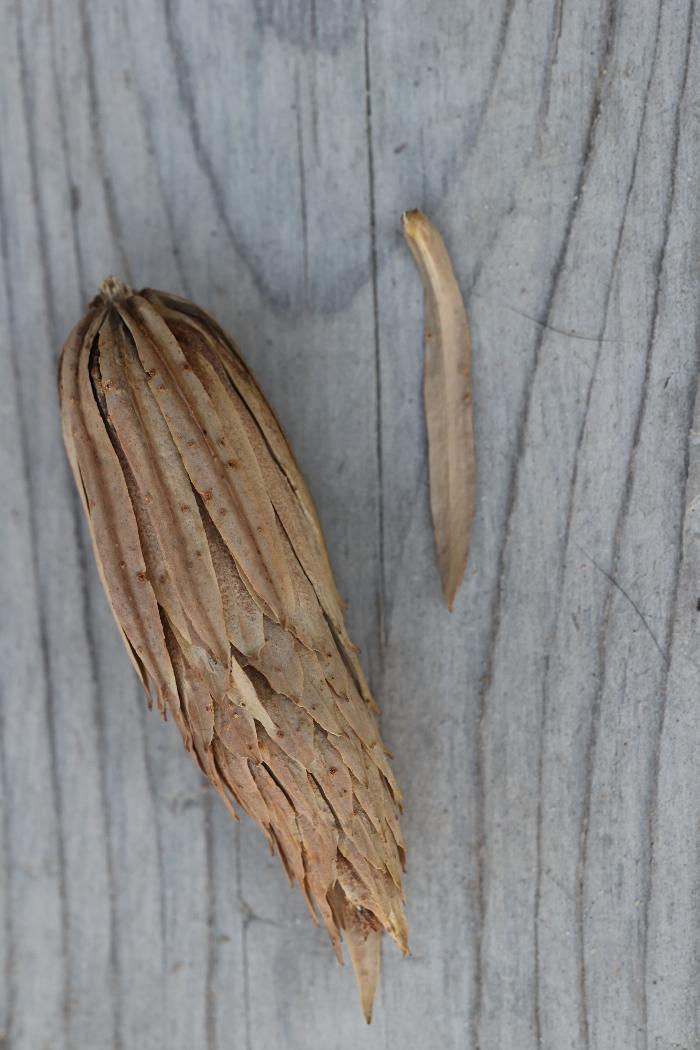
<point>411,218</point>
<point>112,289</point>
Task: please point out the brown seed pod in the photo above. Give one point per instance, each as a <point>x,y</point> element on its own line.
<point>211,555</point>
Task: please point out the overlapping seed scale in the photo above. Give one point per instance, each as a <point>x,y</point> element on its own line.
<point>236,774</point>
<point>242,614</point>
<point>235,500</point>
<point>201,353</point>
<point>362,932</point>
<point>214,363</point>
<point>174,308</point>
<point>164,487</point>
<point>298,515</point>
<point>111,517</point>
<point>213,559</point>
<point>320,852</point>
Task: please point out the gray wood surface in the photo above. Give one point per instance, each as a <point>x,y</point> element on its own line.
<point>256,155</point>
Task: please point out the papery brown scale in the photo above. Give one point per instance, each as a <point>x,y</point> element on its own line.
<point>212,557</point>
<point>190,416</point>
<point>299,519</point>
<point>167,493</point>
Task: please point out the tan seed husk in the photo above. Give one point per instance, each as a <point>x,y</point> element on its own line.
<point>448,401</point>
<point>213,560</point>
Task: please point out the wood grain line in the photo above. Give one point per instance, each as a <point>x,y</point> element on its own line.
<point>567,533</point>
<point>96,127</point>
<point>210,1022</point>
<point>6,1005</point>
<point>302,185</point>
<point>381,590</point>
<point>23,448</point>
<point>243,911</point>
<point>61,110</point>
<point>656,765</point>
<point>144,713</point>
<point>147,120</point>
<point>619,526</point>
<point>521,429</point>
<point>187,100</point>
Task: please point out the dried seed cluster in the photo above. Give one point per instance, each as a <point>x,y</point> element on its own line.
<point>212,557</point>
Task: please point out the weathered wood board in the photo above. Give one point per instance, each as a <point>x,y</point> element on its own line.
<point>256,156</point>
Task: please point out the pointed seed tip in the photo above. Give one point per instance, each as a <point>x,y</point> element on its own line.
<point>410,219</point>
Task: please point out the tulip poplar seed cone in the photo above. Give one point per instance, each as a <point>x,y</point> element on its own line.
<point>212,557</point>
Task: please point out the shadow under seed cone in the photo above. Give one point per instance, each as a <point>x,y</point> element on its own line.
<point>211,554</point>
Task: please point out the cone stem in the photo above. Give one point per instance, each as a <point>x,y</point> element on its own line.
<point>112,289</point>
